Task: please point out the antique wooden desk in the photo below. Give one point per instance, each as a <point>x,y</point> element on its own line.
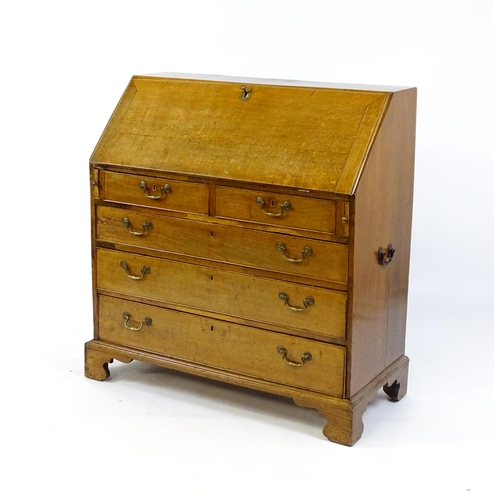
<point>257,233</point>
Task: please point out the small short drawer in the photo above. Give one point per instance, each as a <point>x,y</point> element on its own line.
<point>276,209</point>
<point>163,194</point>
<point>285,359</point>
<point>305,309</point>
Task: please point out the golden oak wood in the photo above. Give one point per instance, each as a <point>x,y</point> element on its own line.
<point>344,416</point>
<point>212,290</point>
<point>345,422</point>
<point>382,217</point>
<point>97,362</point>
<point>241,204</point>
<point>230,319</point>
<point>312,138</point>
<point>188,277</point>
<point>216,242</point>
<point>208,179</point>
<point>303,233</point>
<point>179,196</point>
<point>224,345</point>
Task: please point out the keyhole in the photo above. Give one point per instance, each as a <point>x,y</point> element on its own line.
<point>154,187</point>
<point>272,203</point>
<point>245,93</point>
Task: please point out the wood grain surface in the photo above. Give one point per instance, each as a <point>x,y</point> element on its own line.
<point>383,208</point>
<point>188,197</point>
<point>198,287</point>
<point>224,345</point>
<point>222,292</point>
<point>311,138</point>
<point>226,244</point>
<point>307,213</point>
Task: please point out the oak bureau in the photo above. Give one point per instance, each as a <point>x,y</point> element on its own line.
<point>257,232</point>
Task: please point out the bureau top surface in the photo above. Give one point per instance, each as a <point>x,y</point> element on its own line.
<point>300,135</point>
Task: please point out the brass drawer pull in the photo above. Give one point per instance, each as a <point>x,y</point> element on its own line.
<point>308,301</point>
<point>163,191</point>
<point>146,227</point>
<point>145,270</point>
<point>307,356</point>
<point>306,252</point>
<point>146,321</point>
<point>286,205</point>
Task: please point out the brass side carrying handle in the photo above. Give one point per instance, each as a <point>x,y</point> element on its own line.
<point>146,227</point>
<point>285,206</point>
<point>145,270</point>
<point>307,356</point>
<point>306,252</point>
<point>146,321</point>
<point>382,260</point>
<point>163,190</point>
<point>308,301</point>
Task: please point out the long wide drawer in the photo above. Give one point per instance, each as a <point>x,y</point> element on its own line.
<point>255,249</point>
<point>163,194</point>
<point>285,359</point>
<point>278,303</point>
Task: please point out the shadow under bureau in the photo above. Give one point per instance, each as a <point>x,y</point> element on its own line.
<point>257,232</point>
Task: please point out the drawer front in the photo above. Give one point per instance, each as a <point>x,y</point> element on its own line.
<point>163,194</point>
<point>223,292</point>
<point>235,348</point>
<point>254,249</point>
<point>295,211</point>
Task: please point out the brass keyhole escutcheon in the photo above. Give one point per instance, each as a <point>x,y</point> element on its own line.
<point>163,190</point>
<point>284,207</point>
<point>245,93</point>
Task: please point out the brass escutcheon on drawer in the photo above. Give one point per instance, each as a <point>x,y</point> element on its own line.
<point>285,206</point>
<point>163,191</point>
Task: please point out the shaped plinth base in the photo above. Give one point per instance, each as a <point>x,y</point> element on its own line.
<point>97,361</point>
<point>345,416</point>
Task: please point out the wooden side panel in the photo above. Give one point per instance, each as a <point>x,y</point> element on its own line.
<point>94,177</point>
<point>382,216</point>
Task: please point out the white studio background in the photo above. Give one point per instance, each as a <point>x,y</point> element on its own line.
<point>64,66</point>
